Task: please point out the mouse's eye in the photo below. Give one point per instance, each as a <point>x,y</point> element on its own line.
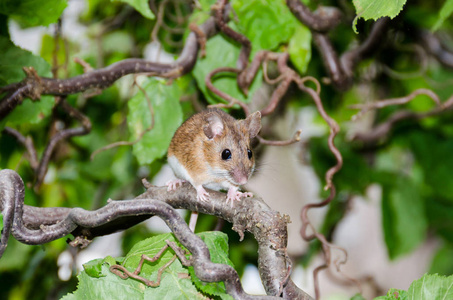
<point>226,154</point>
<point>249,153</point>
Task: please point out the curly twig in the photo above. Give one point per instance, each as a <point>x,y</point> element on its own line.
<point>337,74</point>
<point>140,136</point>
<point>433,45</point>
<point>323,20</point>
<point>231,100</point>
<point>293,140</point>
<point>28,143</point>
<point>63,134</point>
<point>381,131</point>
<point>340,70</point>
<point>246,48</point>
<point>351,58</point>
<point>395,101</point>
<point>124,273</point>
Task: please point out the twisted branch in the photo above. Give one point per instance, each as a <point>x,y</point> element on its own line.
<point>433,45</point>
<point>33,86</point>
<point>35,225</point>
<point>322,20</point>
<point>382,130</point>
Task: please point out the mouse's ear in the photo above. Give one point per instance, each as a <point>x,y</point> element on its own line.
<point>253,124</point>
<point>213,126</point>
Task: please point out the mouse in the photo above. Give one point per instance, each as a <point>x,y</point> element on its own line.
<point>212,150</point>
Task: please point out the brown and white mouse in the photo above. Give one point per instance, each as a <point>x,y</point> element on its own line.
<point>212,149</point>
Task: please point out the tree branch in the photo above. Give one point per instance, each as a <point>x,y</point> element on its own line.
<point>33,225</point>
<point>433,45</point>
<point>322,20</point>
<point>33,86</point>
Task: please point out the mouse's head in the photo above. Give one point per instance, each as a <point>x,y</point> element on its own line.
<point>227,146</point>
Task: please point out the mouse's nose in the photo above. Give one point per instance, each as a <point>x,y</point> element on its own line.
<point>239,176</point>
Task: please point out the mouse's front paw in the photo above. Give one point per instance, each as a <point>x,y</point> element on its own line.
<point>173,184</point>
<point>235,195</point>
<point>202,195</point>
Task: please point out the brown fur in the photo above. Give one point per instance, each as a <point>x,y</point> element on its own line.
<point>199,154</point>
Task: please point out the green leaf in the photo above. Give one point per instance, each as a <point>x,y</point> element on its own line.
<point>13,258</point>
<point>175,282</point>
<point>354,176</point>
<point>444,13</point>
<point>299,48</point>
<point>403,215</point>
<point>357,297</point>
<point>12,60</point>
<point>142,6</point>
<point>173,286</point>
<point>440,216</point>
<point>94,268</point>
<point>428,287</point>
<point>443,261</point>
<point>167,117</point>
<point>434,156</point>
<point>150,247</point>
<point>117,41</point>
<point>432,287</point>
<point>217,243</point>
<point>221,53</point>
<point>375,9</point>
<point>274,15</point>
<point>107,286</point>
<point>394,294</point>
<point>33,12</point>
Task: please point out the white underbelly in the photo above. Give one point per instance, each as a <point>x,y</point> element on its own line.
<point>179,169</point>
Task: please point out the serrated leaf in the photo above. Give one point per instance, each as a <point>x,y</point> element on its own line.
<point>444,13</point>
<point>274,15</point>
<point>111,261</point>
<point>432,287</point>
<point>167,117</point>
<point>174,286</point>
<point>401,205</point>
<point>149,247</point>
<point>222,53</point>
<point>175,282</point>
<point>110,286</point>
<point>375,9</point>
<point>142,6</point>
<point>12,60</point>
<point>33,12</point>
<point>217,243</point>
<point>299,48</point>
